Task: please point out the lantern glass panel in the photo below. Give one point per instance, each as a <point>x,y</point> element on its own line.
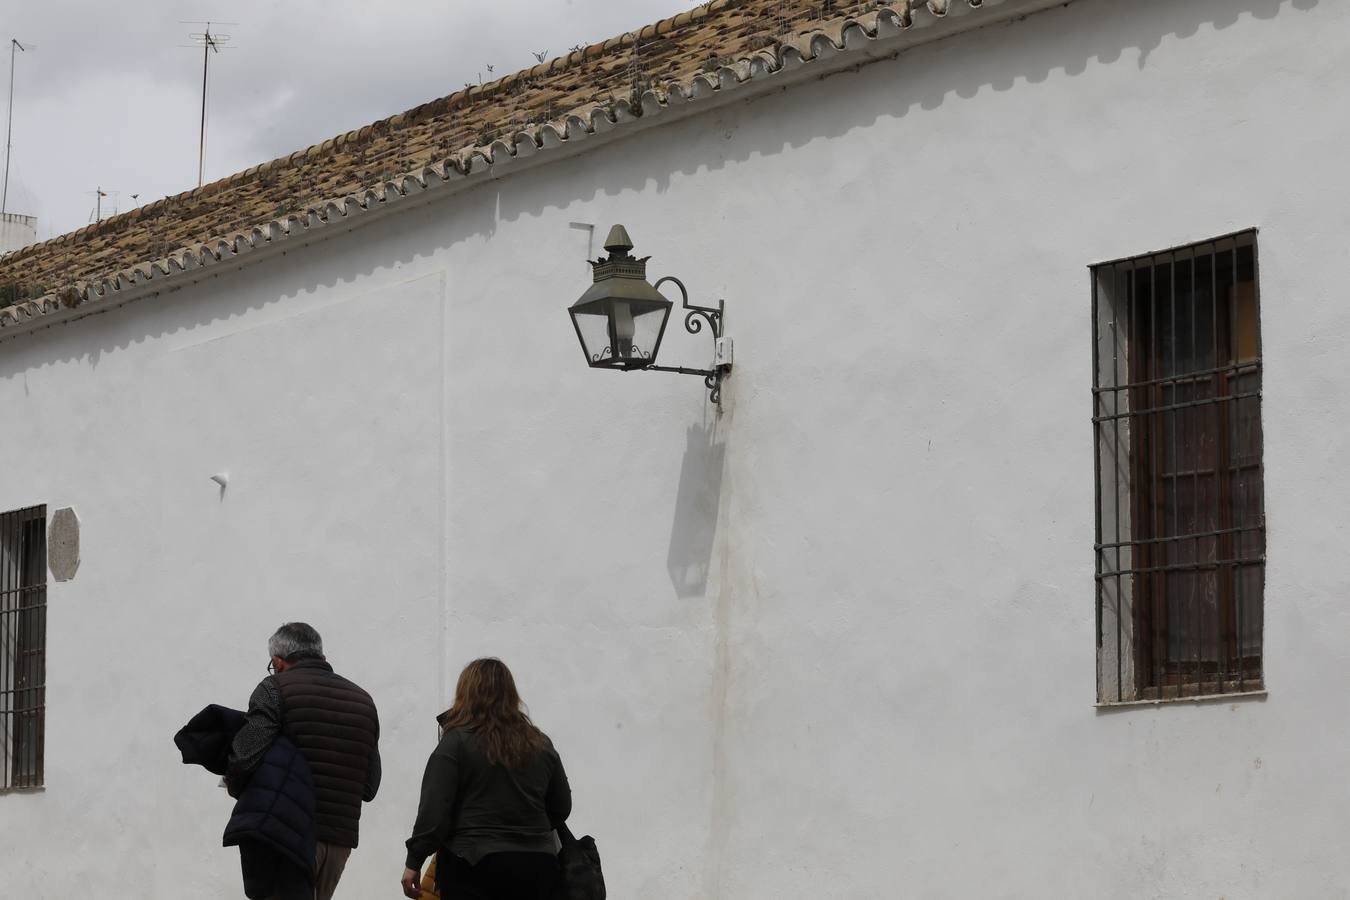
<point>593,326</point>
<point>637,333</point>
<point>621,333</point>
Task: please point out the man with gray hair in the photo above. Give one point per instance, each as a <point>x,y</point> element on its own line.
<point>335,726</point>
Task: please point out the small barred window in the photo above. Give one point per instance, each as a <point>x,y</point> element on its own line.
<point>23,646</point>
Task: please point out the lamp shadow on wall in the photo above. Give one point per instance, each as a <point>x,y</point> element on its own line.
<point>697,504</point>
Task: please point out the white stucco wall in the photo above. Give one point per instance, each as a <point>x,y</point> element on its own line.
<point>838,641</point>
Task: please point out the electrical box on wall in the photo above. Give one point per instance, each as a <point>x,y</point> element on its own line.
<point>722,353</point>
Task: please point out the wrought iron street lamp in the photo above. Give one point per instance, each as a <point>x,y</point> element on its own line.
<point>621,319</point>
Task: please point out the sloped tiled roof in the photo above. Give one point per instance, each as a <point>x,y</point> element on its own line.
<point>707,49</point>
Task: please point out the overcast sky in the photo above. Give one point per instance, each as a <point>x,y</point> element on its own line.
<point>107,98</point>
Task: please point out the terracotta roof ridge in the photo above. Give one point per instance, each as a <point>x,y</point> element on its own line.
<point>466,96</point>
<point>869,20</point>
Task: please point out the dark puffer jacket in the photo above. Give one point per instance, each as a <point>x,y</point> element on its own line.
<point>273,819</point>
<point>334,724</point>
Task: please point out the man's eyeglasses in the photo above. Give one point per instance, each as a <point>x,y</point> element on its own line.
<point>271,667</point>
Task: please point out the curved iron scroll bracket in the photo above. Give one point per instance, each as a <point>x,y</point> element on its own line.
<point>694,319</point>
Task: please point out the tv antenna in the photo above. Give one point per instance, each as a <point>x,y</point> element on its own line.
<point>210,42</point>
<point>14,47</point>
<point>96,214</point>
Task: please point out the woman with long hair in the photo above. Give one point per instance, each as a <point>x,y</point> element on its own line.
<point>493,792</point>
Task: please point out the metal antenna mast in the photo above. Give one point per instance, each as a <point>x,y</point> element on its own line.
<point>96,214</point>
<point>9,130</point>
<point>210,43</point>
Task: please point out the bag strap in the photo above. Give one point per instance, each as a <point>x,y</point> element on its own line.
<point>565,834</point>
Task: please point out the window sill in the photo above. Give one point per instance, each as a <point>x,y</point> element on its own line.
<point>5,792</point>
<point>1173,701</point>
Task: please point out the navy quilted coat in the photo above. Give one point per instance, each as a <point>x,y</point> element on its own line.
<point>273,819</point>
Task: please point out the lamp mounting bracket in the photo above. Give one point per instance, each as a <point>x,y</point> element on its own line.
<point>694,319</point>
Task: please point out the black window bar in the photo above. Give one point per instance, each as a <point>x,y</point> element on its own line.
<point>1180,514</point>
<point>23,646</point>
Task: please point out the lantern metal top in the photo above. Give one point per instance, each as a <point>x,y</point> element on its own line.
<point>618,241</point>
<point>630,272</point>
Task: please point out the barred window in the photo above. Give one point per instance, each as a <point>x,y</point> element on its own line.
<point>1180,537</point>
<point>23,646</point>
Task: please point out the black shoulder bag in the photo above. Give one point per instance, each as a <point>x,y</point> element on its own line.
<point>579,875</point>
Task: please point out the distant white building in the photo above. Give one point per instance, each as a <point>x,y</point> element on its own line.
<point>17,231</point>
<point>1010,566</point>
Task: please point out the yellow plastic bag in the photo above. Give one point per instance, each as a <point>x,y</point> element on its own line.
<point>429,882</point>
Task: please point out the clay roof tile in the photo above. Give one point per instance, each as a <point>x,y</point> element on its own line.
<point>717,43</point>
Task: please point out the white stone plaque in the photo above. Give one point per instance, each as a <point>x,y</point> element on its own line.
<point>63,544</point>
